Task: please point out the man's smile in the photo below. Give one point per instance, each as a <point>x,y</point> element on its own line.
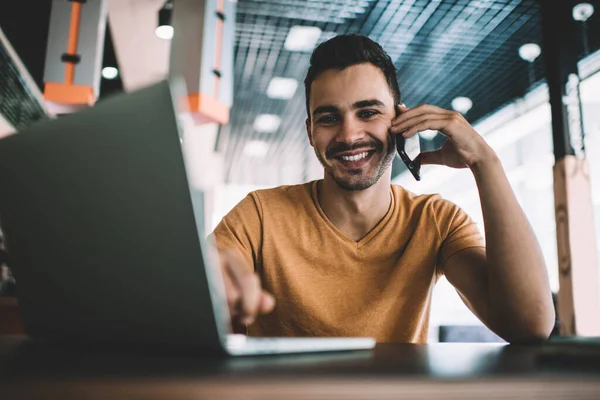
<point>354,159</point>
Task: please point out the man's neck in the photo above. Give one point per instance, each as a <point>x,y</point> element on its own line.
<point>355,213</point>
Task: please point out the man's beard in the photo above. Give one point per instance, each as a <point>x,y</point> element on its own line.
<point>364,182</point>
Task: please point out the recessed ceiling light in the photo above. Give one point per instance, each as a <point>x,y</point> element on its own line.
<point>428,134</point>
<point>462,104</point>
<point>256,148</point>
<point>267,123</point>
<point>110,72</point>
<point>164,32</point>
<point>302,38</point>
<point>529,52</point>
<point>282,88</point>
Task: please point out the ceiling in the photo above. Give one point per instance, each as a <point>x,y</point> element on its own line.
<point>441,49</point>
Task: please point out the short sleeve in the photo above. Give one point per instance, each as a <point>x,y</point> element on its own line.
<point>241,231</point>
<point>457,230</point>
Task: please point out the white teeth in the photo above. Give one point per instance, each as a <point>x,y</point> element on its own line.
<point>355,157</point>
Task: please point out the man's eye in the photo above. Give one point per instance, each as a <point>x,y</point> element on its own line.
<point>328,119</point>
<point>367,114</point>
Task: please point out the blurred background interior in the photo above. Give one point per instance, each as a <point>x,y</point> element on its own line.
<point>479,57</point>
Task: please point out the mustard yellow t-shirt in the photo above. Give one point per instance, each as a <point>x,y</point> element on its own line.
<point>326,284</point>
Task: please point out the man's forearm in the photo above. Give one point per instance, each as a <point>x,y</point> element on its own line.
<point>519,293</point>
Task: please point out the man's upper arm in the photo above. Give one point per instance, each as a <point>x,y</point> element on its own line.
<point>466,271</point>
<point>241,231</point>
<point>462,257</point>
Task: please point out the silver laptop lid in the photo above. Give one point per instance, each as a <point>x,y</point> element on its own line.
<point>100,226</point>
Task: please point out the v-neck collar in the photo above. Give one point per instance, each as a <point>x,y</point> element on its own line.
<point>369,236</point>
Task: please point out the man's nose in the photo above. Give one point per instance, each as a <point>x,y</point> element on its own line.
<point>350,130</point>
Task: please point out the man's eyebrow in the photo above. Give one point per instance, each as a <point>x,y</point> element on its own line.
<point>358,105</point>
<point>325,109</point>
<point>368,103</point>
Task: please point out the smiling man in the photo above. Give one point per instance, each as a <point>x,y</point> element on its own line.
<point>354,255</point>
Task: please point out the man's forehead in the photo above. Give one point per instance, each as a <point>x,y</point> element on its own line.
<point>350,85</point>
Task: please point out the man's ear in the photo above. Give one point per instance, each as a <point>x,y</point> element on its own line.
<point>309,132</point>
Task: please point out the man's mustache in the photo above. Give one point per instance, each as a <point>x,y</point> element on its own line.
<point>337,148</point>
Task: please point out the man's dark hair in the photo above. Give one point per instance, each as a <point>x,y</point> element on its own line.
<point>345,51</point>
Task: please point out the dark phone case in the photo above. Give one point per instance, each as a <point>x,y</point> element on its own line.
<point>413,167</point>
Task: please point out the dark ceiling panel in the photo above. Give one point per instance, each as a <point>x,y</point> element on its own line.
<point>441,49</point>
<point>26,27</point>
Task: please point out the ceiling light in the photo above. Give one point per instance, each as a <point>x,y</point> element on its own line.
<point>164,32</point>
<point>428,134</point>
<point>165,29</point>
<point>267,123</point>
<point>462,104</point>
<point>282,88</point>
<point>302,38</point>
<point>529,52</point>
<point>110,72</point>
<point>582,12</point>
<point>256,148</point>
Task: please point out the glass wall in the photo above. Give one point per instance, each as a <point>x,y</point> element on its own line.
<point>590,97</point>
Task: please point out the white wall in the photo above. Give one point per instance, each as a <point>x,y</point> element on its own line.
<point>590,97</point>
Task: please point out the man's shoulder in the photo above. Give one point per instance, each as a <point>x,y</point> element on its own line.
<point>284,195</point>
<point>433,201</point>
<point>405,196</point>
<point>268,204</point>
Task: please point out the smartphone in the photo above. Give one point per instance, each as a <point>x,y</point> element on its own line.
<point>409,149</point>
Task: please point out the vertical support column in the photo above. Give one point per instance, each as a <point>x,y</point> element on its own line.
<point>202,54</point>
<point>579,276</point>
<point>205,167</point>
<point>74,54</point>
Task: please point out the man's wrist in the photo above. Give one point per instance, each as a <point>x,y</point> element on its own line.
<point>489,159</point>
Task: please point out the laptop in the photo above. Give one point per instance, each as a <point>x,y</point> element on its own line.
<point>103,237</point>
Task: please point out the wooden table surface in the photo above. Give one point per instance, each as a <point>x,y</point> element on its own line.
<point>35,369</point>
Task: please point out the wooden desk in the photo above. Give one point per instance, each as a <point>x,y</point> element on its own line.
<point>451,371</point>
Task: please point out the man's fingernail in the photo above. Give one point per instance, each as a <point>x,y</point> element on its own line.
<point>248,321</point>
